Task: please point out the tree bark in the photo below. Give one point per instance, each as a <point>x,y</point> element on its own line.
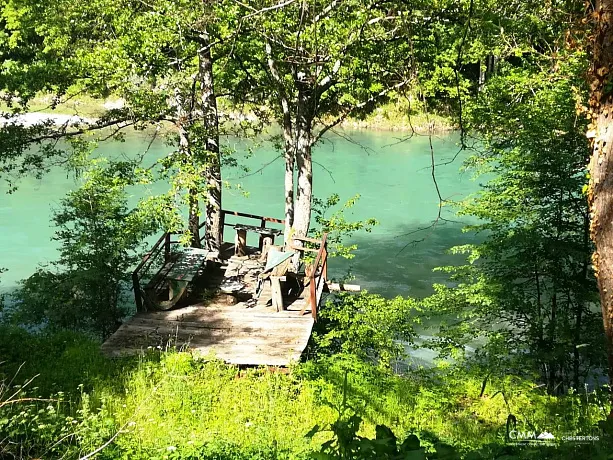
<point>183,123</point>
<point>289,144</point>
<point>304,161</point>
<point>213,233</point>
<point>600,190</point>
<point>290,165</point>
<point>581,302</point>
<point>552,382</point>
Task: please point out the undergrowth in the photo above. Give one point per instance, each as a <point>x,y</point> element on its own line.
<point>61,399</point>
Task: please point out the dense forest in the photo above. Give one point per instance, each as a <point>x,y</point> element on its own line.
<point>521,328</point>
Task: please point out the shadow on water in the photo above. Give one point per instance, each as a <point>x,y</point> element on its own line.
<point>388,264</point>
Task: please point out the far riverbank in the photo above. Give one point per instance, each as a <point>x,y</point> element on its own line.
<point>392,116</point>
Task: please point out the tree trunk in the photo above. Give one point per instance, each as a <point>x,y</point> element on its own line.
<point>290,165</point>
<point>289,144</point>
<point>482,74</point>
<point>304,163</point>
<point>213,233</point>
<point>600,191</point>
<point>552,382</point>
<point>184,120</point>
<point>304,140</point>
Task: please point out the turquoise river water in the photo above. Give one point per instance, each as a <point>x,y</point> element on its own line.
<point>392,176</point>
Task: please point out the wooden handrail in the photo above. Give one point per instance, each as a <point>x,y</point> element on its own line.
<point>148,259</point>
<point>321,259</point>
<point>253,216</point>
<point>307,239</point>
<point>303,249</point>
<point>153,250</point>
<point>165,243</point>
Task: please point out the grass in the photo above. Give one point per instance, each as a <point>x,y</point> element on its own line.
<point>172,405</point>
<point>399,116</point>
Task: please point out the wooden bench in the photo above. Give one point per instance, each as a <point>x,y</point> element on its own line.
<point>267,237</point>
<point>176,277</point>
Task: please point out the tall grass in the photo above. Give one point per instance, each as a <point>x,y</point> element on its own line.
<point>174,405</point>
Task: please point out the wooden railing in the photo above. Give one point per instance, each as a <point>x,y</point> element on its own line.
<point>319,270</point>
<point>262,219</point>
<point>164,244</point>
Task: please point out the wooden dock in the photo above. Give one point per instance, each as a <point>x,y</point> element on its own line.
<point>234,334</point>
<point>223,318</point>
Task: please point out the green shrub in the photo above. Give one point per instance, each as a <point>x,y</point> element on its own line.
<point>365,325</point>
<point>99,239</point>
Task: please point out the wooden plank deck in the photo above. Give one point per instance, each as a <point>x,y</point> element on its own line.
<point>246,333</point>
<point>233,334</point>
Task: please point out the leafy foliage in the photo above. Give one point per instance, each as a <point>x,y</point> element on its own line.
<point>532,275</point>
<point>178,406</point>
<point>348,445</point>
<point>99,237</point>
<point>336,225</point>
<point>365,325</point>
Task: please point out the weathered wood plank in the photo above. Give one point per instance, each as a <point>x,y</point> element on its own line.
<point>201,313</point>
<point>233,352</point>
<point>229,356</point>
<point>205,337</point>
<point>241,242</point>
<point>262,326</point>
<point>340,287</point>
<point>188,264</point>
<point>245,333</point>
<point>235,335</point>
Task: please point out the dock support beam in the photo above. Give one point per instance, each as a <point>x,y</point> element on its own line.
<point>240,244</point>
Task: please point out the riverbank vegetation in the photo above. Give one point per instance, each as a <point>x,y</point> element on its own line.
<point>522,331</point>
<point>67,401</point>
<point>399,114</point>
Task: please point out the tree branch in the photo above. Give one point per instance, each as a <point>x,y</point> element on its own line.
<point>348,112</point>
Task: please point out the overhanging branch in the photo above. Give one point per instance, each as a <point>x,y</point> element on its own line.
<point>351,110</point>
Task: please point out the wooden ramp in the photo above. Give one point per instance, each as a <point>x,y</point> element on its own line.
<point>234,334</point>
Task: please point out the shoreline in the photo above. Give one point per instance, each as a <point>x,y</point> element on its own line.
<point>29,119</point>
<point>392,116</point>
<point>437,126</point>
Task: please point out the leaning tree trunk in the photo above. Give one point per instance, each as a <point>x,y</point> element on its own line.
<point>600,192</point>
<point>183,122</point>
<point>213,233</point>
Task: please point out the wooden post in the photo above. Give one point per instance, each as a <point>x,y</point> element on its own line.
<point>265,244</point>
<point>166,247</point>
<point>325,267</point>
<point>240,244</point>
<point>313,297</point>
<point>275,291</point>
<point>222,223</point>
<point>137,296</point>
